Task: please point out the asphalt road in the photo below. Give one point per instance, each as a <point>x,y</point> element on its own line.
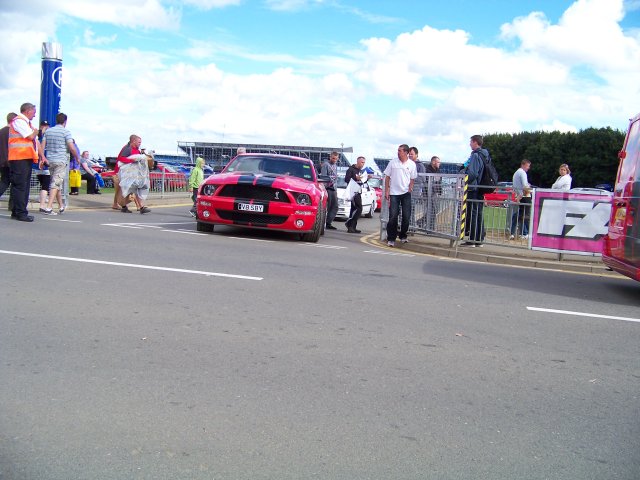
<point>134,347</point>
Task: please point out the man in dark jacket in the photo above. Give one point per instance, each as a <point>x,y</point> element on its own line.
<point>434,189</point>
<point>353,173</point>
<point>330,168</point>
<point>475,196</point>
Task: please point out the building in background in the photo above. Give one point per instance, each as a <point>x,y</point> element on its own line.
<point>218,155</point>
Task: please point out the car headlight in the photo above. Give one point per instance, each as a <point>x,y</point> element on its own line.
<point>208,190</point>
<point>303,199</point>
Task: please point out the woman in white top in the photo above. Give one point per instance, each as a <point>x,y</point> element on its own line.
<point>564,180</point>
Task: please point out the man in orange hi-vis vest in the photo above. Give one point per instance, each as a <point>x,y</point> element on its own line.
<point>23,152</point>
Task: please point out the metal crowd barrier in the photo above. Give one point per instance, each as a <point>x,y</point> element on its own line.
<point>441,208</point>
<point>436,208</point>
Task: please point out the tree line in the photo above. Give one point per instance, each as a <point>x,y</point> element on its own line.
<point>592,155</point>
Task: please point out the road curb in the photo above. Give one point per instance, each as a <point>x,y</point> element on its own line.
<point>480,256</point>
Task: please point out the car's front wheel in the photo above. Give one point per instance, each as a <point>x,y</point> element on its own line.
<point>314,235</point>
<point>204,227</point>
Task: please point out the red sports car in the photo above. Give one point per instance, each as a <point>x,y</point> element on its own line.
<point>502,196</point>
<point>265,191</point>
<point>376,182</point>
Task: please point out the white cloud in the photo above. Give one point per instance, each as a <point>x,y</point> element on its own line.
<point>138,14</point>
<point>209,4</point>
<point>91,40</point>
<point>588,33</point>
<point>290,5</point>
<point>558,126</point>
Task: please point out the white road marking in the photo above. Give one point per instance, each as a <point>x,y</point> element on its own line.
<point>381,252</point>
<point>582,314</point>
<point>131,265</point>
<point>121,225</point>
<point>142,224</point>
<point>320,245</point>
<point>61,220</point>
<point>188,232</point>
<point>252,239</point>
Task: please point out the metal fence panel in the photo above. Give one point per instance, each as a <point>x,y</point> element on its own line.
<point>442,209</point>
<point>435,210</point>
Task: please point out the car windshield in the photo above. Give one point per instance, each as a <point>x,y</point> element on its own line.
<point>273,165</point>
<point>372,182</point>
<point>375,182</point>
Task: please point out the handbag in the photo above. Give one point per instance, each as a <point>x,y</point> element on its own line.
<point>75,179</point>
<point>99,180</point>
<point>353,187</point>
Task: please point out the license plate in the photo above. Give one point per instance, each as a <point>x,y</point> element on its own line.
<point>251,207</point>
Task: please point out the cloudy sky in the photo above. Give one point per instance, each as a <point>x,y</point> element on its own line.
<point>363,74</point>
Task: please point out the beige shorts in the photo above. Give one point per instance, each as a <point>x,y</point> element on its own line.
<point>58,173</point>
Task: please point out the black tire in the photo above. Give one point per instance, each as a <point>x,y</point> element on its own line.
<point>324,221</point>
<point>314,235</point>
<point>204,227</point>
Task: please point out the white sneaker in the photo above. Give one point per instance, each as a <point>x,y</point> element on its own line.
<point>49,211</point>
<point>525,237</point>
<point>404,240</point>
<point>391,244</point>
<point>512,237</point>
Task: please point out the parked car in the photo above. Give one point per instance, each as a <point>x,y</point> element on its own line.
<point>375,182</point>
<point>265,191</point>
<point>502,196</point>
<point>369,199</point>
<point>173,180</point>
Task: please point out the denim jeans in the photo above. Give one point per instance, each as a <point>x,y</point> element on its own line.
<point>475,217</point>
<point>520,217</point>
<point>395,202</point>
<point>332,204</point>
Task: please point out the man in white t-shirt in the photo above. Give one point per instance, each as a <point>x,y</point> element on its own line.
<point>400,175</point>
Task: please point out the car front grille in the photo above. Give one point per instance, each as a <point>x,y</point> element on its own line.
<point>254,192</point>
<point>250,218</point>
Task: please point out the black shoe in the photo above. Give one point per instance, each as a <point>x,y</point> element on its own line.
<point>145,210</point>
<point>331,227</point>
<point>353,230</point>
<point>98,193</point>
<point>125,210</point>
<point>25,218</point>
